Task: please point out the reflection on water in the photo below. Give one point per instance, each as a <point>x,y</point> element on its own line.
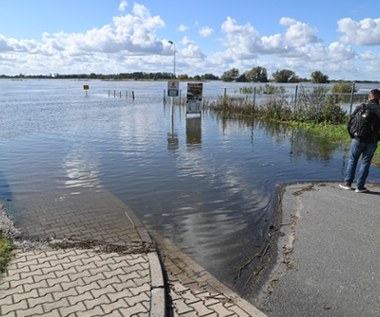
<point>82,170</point>
<point>207,183</point>
<point>193,130</point>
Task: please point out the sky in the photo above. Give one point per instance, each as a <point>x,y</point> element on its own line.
<point>43,37</point>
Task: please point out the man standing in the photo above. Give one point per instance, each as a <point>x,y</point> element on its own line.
<point>365,146</point>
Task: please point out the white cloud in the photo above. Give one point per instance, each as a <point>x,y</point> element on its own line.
<point>339,52</point>
<point>186,41</point>
<point>206,31</point>
<point>274,44</point>
<point>129,35</point>
<point>131,41</point>
<point>241,41</point>
<point>133,33</point>
<point>364,32</point>
<point>4,46</point>
<point>192,52</point>
<point>123,5</point>
<point>299,47</point>
<point>298,33</point>
<point>183,28</point>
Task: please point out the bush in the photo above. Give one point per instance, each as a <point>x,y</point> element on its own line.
<point>276,109</point>
<point>342,88</point>
<point>310,107</point>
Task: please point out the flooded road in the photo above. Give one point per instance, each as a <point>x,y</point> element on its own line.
<point>206,183</point>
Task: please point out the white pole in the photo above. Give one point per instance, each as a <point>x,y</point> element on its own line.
<point>172,43</point>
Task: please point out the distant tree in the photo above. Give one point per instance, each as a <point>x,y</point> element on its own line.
<point>183,77</point>
<point>257,74</point>
<point>242,79</point>
<point>285,76</point>
<point>209,77</point>
<point>230,75</point>
<point>318,77</point>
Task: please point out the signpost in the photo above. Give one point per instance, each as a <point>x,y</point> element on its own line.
<point>194,97</point>
<point>173,89</point>
<point>86,88</point>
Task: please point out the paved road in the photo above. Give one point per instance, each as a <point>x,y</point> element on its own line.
<point>102,262</point>
<point>329,254</point>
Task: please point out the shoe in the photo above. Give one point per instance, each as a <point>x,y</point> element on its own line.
<point>345,186</point>
<point>361,190</point>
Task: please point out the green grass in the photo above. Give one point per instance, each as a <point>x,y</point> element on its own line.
<point>6,247</point>
<point>337,133</point>
<point>334,132</point>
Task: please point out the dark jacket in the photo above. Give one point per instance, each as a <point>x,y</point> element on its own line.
<point>374,107</point>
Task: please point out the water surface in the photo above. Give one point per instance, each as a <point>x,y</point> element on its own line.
<point>206,183</point>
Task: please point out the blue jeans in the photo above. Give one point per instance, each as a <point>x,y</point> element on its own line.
<point>367,151</point>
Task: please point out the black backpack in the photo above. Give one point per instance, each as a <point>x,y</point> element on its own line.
<point>360,125</point>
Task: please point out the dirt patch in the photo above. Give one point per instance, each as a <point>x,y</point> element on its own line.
<point>98,246</point>
<point>7,227</point>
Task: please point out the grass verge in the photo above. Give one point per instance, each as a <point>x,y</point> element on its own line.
<point>337,133</point>
<point>6,247</point>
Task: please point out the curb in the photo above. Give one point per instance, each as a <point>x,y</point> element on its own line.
<point>158,301</point>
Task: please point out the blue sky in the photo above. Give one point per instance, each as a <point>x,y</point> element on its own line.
<point>339,39</point>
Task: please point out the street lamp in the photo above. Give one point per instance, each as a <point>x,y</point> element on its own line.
<point>172,43</point>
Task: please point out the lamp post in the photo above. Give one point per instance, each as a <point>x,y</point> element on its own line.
<point>172,43</point>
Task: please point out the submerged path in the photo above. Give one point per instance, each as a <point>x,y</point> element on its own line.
<point>95,258</point>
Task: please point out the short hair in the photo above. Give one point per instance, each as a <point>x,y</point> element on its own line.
<point>375,93</point>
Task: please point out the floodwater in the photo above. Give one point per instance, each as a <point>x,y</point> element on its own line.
<point>206,183</point>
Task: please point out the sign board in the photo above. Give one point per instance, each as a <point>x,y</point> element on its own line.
<point>86,87</point>
<point>194,97</point>
<point>173,88</point>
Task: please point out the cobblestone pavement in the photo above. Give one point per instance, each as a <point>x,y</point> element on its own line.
<point>74,282</point>
<point>100,261</point>
<point>195,292</point>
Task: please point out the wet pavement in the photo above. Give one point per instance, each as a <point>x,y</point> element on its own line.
<point>96,263</point>
<point>95,258</point>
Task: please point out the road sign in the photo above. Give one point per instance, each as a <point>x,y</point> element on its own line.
<point>194,97</point>
<point>173,89</point>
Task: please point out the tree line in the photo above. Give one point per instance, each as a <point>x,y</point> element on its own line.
<point>260,75</point>
<point>121,76</point>
<point>256,74</point>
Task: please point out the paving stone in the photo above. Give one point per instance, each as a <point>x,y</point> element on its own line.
<point>34,311</point>
<point>9,314</point>
<point>200,308</point>
<point>79,307</point>
<point>137,310</point>
<point>53,313</point>
<point>5,309</point>
<point>11,291</point>
<point>34,301</point>
<point>96,311</point>
<point>82,282</point>
<point>120,304</point>
<point>102,291</point>
<point>181,307</point>
<point>58,293</point>
<point>23,274</point>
